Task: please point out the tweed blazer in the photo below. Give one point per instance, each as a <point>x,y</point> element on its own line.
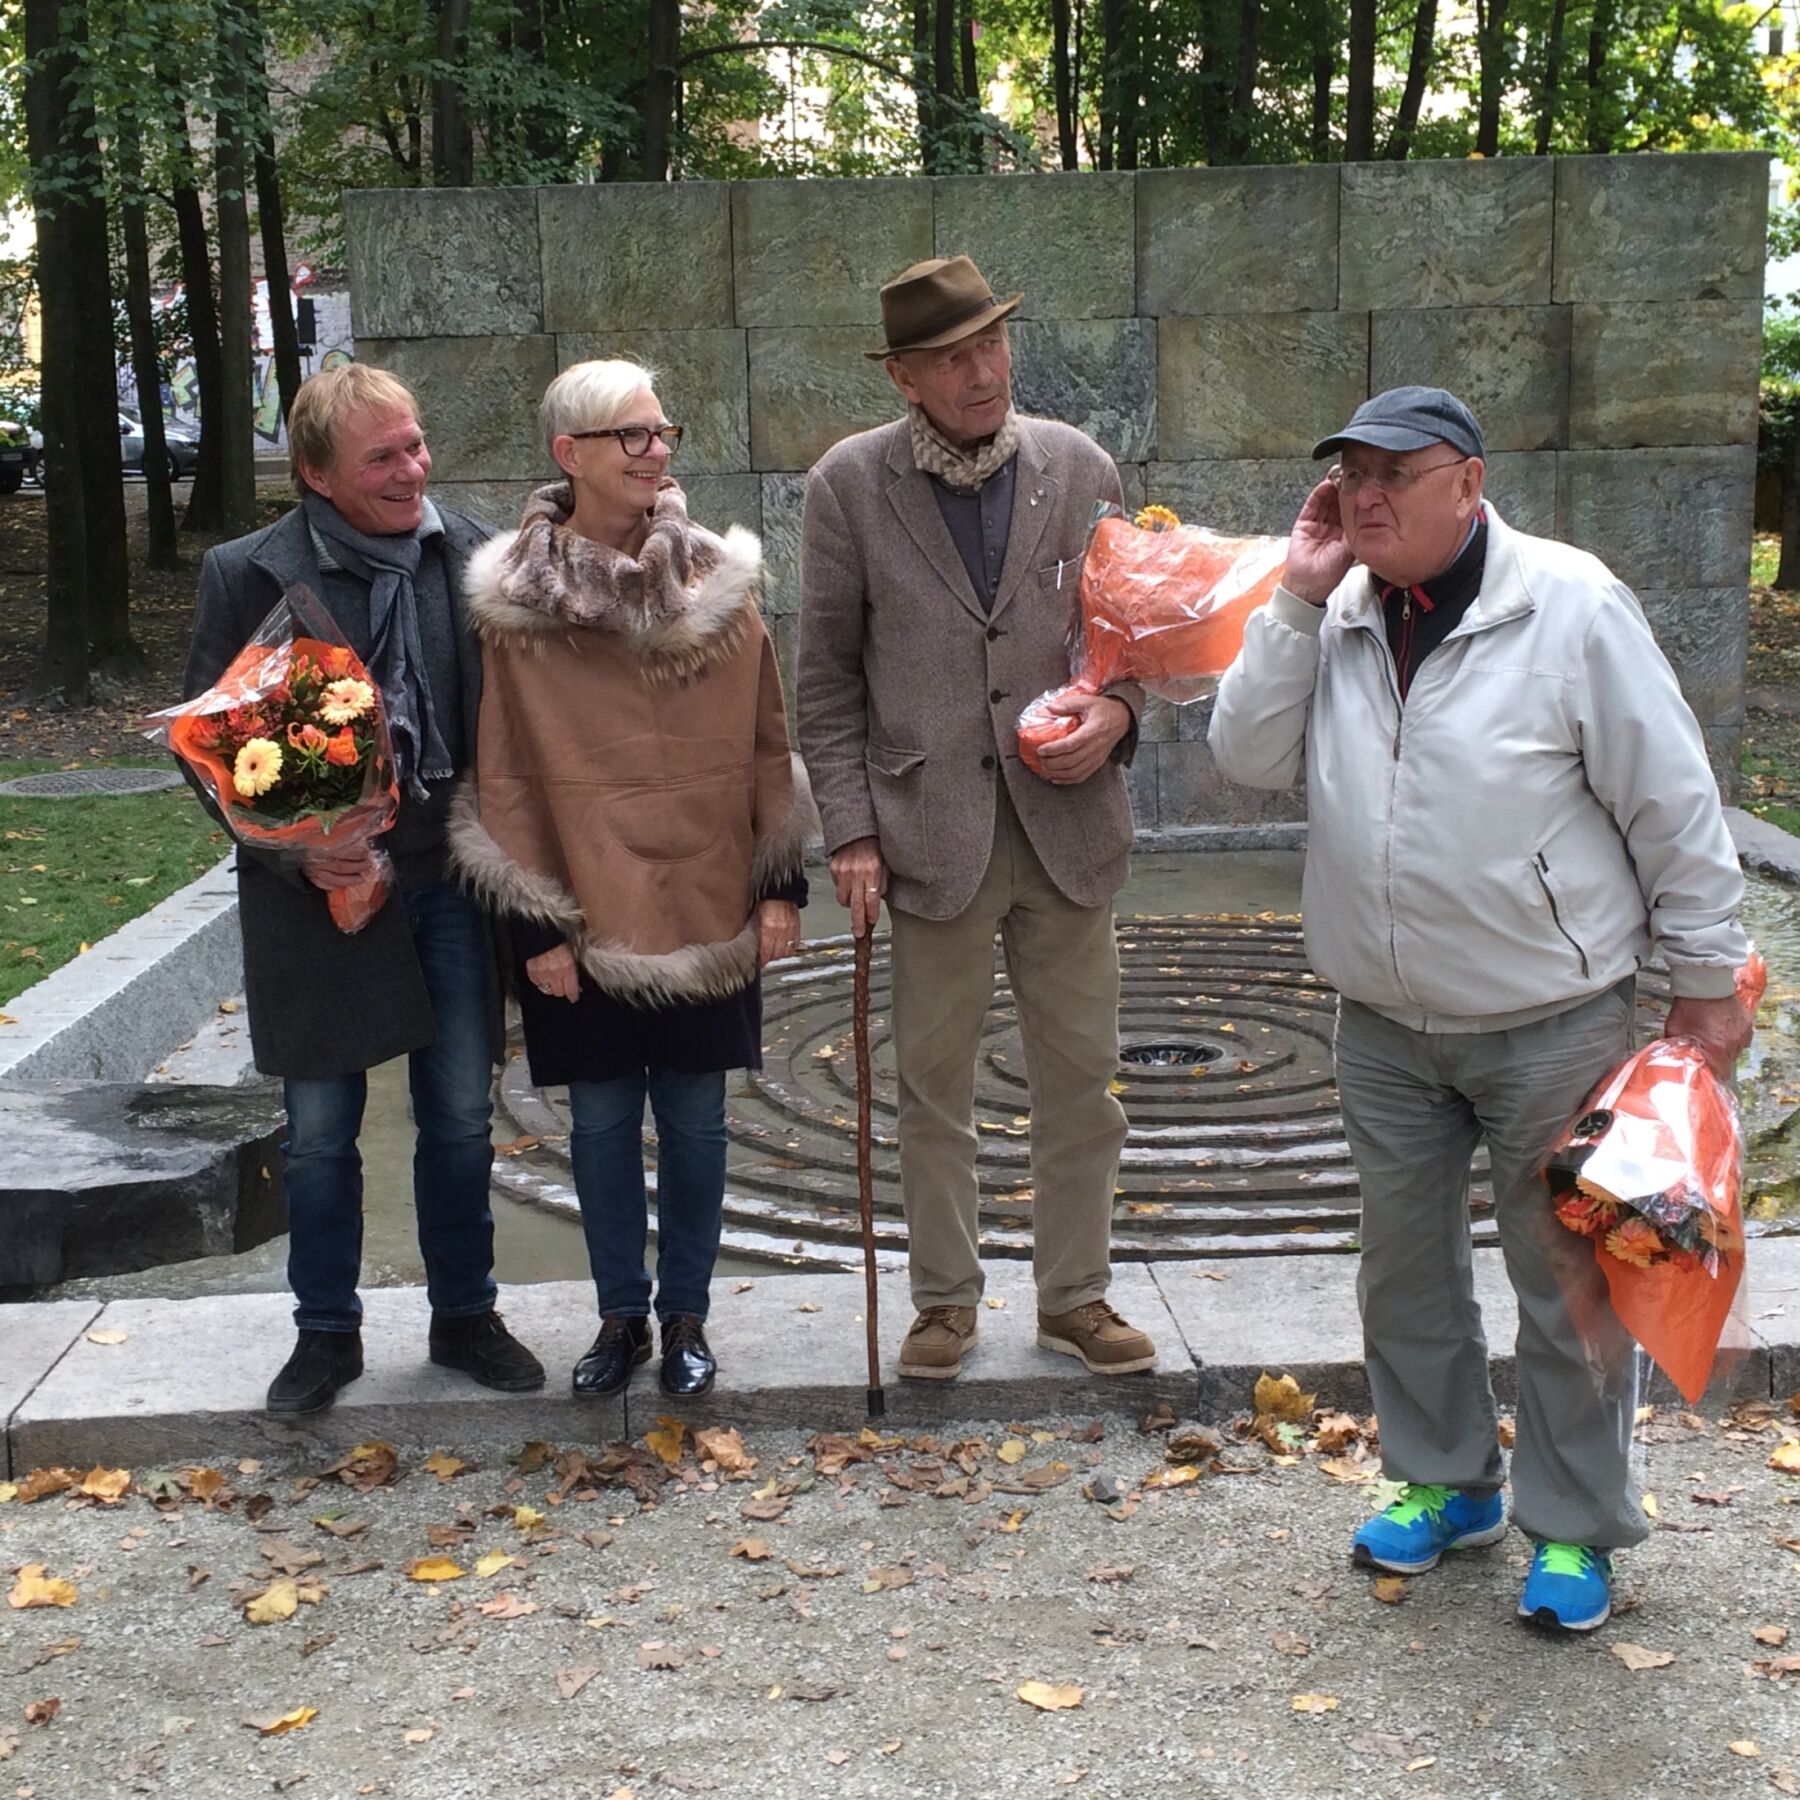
<point>909,694</point>
<point>323,1002</point>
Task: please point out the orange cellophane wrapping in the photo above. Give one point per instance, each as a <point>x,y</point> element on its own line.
<point>1039,726</point>
<point>256,669</point>
<point>1168,608</point>
<point>1659,1151</point>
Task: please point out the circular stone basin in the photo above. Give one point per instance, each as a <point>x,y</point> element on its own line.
<point>69,784</point>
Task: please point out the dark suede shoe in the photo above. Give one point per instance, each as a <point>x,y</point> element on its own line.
<point>688,1367</point>
<point>483,1349</point>
<point>322,1362</point>
<point>622,1344</point>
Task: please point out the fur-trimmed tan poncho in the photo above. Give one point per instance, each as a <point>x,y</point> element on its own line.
<point>633,785</point>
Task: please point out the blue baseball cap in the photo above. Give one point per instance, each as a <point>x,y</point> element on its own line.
<point>1409,418</point>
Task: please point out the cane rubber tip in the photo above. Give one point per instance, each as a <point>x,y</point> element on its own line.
<point>877,1404</point>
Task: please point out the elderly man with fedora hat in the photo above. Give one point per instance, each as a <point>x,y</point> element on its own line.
<point>942,556</point>
<point>1509,809</point>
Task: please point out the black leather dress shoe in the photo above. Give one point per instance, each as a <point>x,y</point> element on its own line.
<point>322,1362</point>
<point>483,1349</point>
<point>688,1367</point>
<point>620,1347</point>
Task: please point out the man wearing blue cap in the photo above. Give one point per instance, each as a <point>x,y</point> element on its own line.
<point>1509,810</point>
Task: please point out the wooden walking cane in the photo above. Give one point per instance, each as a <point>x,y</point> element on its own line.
<point>865,1171</point>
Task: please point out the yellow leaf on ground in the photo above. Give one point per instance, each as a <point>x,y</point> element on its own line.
<point>1390,1590</point>
<point>443,1465</point>
<point>1281,1398</point>
<point>667,1441</point>
<point>1348,1469</point>
<point>1012,1451</point>
<point>108,1485</point>
<point>434,1568</point>
<point>1181,1475</point>
<point>1635,1656</point>
<point>527,1517</point>
<point>106,1337</point>
<point>1049,1696</point>
<point>1315,1703</point>
<point>1648,1501</point>
<point>1786,1457</point>
<point>725,1446</point>
<point>492,1562</point>
<point>279,1600</point>
<point>1743,1747</point>
<point>280,1724</point>
<point>996,1301</point>
<point>35,1588</point>
<point>9,1490</point>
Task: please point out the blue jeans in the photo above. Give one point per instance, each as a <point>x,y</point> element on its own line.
<point>606,1147</point>
<point>452,1102</point>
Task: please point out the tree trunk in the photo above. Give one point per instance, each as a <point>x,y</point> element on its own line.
<point>1418,69</point>
<point>1599,106</point>
<point>159,502</point>
<point>946,83</point>
<point>205,496</point>
<point>51,72</point>
<point>1112,34</point>
<point>659,88</point>
<point>1062,74</point>
<point>1359,101</point>
<point>1243,99</point>
<point>1324,70</point>
<point>237,442</point>
<point>452,143</point>
<point>974,158</point>
<point>1552,88</point>
<point>271,216</point>
<point>1130,85</point>
<point>1787,576</point>
<point>924,89</point>
<point>545,136</point>
<point>1490,40</point>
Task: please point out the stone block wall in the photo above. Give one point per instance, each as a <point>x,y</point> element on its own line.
<point>1602,315</point>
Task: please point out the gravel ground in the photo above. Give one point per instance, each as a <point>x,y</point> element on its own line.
<point>1192,1627</point>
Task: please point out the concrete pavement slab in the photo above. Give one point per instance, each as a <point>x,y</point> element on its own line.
<point>792,1351</point>
<point>33,1340</point>
<point>187,1383</point>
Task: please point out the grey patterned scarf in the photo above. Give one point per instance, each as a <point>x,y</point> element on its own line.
<point>936,455</point>
<point>396,655</point>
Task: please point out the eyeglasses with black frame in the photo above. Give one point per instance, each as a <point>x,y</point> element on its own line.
<point>634,440</point>
<point>1389,481</point>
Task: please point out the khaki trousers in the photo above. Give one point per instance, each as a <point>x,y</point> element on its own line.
<point>1063,964</point>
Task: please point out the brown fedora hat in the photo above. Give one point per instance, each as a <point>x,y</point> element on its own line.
<point>934,303</point>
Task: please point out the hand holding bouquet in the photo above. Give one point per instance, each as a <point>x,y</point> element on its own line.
<point>1651,1169</point>
<point>1162,604</point>
<point>291,746</point>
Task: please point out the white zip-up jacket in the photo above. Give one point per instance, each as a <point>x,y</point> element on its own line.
<point>1520,836</point>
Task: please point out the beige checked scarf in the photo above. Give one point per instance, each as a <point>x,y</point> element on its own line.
<point>934,454</point>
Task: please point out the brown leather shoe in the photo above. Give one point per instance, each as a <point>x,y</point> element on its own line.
<point>935,1346</point>
<point>1097,1335</point>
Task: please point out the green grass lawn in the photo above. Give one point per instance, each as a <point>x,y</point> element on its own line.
<point>73,870</point>
<point>1765,557</point>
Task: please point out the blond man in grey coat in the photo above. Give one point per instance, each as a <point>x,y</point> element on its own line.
<point>941,559</point>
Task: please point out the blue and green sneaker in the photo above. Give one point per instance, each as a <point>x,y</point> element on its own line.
<point>1569,1586</point>
<point>1425,1522</point>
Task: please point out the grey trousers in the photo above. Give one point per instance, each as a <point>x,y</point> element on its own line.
<point>1063,963</point>
<point>1416,1104</point>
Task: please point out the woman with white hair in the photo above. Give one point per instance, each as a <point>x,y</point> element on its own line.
<point>638,819</point>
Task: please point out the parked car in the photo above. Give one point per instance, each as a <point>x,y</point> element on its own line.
<point>21,449</point>
<point>182,443</point>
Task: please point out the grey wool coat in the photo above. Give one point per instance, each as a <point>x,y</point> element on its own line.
<point>909,694</point>
<point>323,1002</point>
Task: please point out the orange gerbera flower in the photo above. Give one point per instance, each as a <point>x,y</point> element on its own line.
<point>1636,1241</point>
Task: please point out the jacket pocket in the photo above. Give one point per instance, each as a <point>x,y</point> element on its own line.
<point>1559,907</point>
<point>897,792</point>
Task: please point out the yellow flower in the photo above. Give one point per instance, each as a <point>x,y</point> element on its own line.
<point>1156,518</point>
<point>257,769</point>
<point>345,700</point>
<point>1637,1242</point>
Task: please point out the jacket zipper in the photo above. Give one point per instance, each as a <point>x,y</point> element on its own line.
<point>1543,875</point>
